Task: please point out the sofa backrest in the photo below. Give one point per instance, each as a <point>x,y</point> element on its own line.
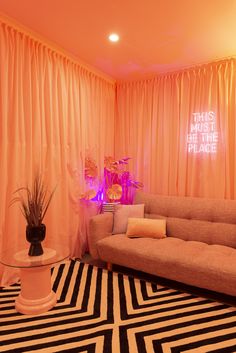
<point>211,221</point>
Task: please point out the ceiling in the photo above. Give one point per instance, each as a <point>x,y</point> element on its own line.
<point>156,36</point>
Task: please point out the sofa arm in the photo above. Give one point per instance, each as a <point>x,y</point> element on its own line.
<point>100,226</point>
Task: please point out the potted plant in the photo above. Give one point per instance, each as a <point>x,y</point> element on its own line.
<point>34,203</point>
<point>115,184</point>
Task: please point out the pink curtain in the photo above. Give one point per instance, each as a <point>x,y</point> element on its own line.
<point>179,129</point>
<point>52,111</point>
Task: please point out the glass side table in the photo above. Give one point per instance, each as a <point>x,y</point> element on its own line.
<point>36,295</point>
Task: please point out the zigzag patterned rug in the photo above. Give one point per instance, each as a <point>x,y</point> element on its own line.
<point>104,312</point>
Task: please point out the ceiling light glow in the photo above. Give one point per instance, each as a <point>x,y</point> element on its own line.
<point>113,37</point>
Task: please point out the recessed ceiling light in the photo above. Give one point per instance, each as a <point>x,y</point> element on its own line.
<point>113,37</point>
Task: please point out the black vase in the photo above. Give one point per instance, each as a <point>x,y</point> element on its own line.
<point>35,235</point>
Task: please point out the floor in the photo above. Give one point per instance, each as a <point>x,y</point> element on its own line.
<point>104,311</point>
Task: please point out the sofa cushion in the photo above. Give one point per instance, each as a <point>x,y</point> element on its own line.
<point>191,218</point>
<point>207,232</point>
<point>212,210</point>
<point>195,263</point>
<point>144,227</point>
<point>121,215</point>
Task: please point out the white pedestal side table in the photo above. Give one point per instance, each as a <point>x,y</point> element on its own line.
<point>36,295</point>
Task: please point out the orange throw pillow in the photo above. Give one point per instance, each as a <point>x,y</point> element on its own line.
<point>146,227</point>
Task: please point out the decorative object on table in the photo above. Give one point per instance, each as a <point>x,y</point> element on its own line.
<point>34,203</point>
<point>115,184</point>
<point>109,206</point>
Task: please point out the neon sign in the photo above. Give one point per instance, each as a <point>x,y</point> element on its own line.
<point>203,136</point>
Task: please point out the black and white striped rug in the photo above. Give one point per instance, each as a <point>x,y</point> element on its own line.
<point>105,312</point>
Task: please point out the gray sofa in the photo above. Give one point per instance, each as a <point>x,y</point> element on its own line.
<point>199,250</point>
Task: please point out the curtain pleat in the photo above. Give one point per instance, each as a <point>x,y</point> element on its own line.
<point>52,111</point>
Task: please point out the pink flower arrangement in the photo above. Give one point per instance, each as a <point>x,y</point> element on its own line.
<point>115,185</point>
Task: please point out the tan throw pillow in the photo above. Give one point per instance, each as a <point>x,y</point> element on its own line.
<point>121,215</point>
<point>146,227</point>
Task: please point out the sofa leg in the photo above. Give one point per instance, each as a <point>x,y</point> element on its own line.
<point>109,266</point>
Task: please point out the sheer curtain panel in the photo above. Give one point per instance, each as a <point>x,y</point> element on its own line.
<point>52,111</point>
<point>179,129</point>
